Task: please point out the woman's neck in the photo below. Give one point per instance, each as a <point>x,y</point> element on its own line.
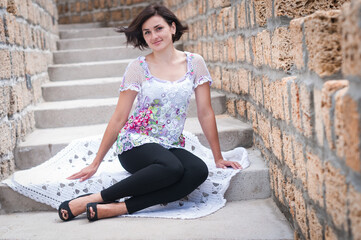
<point>167,55</point>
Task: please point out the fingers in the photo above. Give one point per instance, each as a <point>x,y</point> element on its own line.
<point>225,164</point>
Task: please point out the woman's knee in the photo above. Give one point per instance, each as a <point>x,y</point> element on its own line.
<point>174,170</point>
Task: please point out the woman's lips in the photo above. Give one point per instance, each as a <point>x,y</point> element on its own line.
<point>157,42</point>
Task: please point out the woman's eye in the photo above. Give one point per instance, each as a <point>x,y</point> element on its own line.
<point>159,28</point>
<point>146,32</point>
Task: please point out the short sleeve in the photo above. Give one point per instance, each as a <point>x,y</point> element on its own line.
<point>200,71</point>
<point>133,77</point>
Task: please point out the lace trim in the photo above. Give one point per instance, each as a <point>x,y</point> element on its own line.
<point>134,87</point>
<point>202,80</point>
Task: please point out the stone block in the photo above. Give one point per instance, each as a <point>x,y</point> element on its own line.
<point>315,177</point>
<point>354,206</point>
<point>5,69</point>
<point>252,17</point>
<point>231,106</point>
<point>264,127</point>
<point>276,141</point>
<point>2,30</point>
<point>248,50</point>
<point>289,195</point>
<point>243,79</point>
<point>266,47</point>
<point>281,49</point>
<point>220,3</point>
<point>296,34</point>
<point>306,94</point>
<point>347,129</point>
<point>219,23</point>
<point>335,194</point>
<point>286,83</point>
<point>6,139</point>
<point>258,84</point>
<point>234,81</point>
<point>226,83</point>
<point>287,141</point>
<point>86,18</point>
<point>295,105</point>
<point>117,15</point>
<point>211,24</point>
<point>230,23</point>
<point>300,207</point>
<point>281,182</point>
<point>328,90</point>
<point>10,27</point>
<point>216,76</point>
<point>351,39</point>
<point>314,223</point>
<point>126,14</point>
<point>323,42</point>
<point>301,8</point>
<point>240,51</point>
<point>299,161</point>
<point>257,50</point>
<point>241,15</point>
<point>18,66</point>
<point>241,107</point>
<point>330,233</point>
<point>317,99</point>
<point>252,116</point>
<point>7,167</point>
<point>263,10</point>
<point>3,4</point>
<point>231,50</point>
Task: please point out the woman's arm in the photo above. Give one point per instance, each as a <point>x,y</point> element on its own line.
<point>117,121</point>
<point>208,123</point>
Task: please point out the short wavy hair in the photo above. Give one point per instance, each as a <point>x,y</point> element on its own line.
<point>134,32</point>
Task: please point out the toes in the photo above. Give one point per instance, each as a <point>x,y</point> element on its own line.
<point>64,213</point>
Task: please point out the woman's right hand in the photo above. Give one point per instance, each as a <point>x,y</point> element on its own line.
<point>85,173</point>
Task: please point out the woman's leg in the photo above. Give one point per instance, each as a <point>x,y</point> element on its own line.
<point>152,166</point>
<point>195,173</point>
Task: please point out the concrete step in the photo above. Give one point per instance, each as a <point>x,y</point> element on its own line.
<point>97,54</point>
<point>94,111</point>
<point>251,183</point>
<point>254,219</point>
<point>80,26</point>
<point>42,144</point>
<point>94,42</point>
<point>76,71</point>
<point>88,32</point>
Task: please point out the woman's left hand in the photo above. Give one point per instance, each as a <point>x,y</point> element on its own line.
<point>221,163</point>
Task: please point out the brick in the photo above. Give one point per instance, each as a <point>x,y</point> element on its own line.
<point>5,70</point>
<point>210,24</point>
<point>306,109</point>
<point>300,207</point>
<point>252,116</point>
<point>289,195</point>
<point>347,129</point>
<point>281,182</point>
<point>264,126</point>
<point>231,107</point>
<point>7,144</point>
<point>219,23</point>
<point>281,49</point>
<point>3,4</point>
<point>86,18</point>
<point>252,20</point>
<point>18,63</point>
<point>258,89</point>
<point>243,78</point>
<point>229,21</point>
<point>301,8</point>
<point>216,76</point>
<point>330,233</point>
<point>117,15</point>
<point>10,23</point>
<point>351,38</point>
<point>4,101</point>
<point>323,42</point>
<point>263,11</point>
<point>2,30</point>
<point>234,81</point>
<point>231,50</point>
<point>226,83</point>
<point>286,83</point>
<point>314,223</point>
<point>288,152</point>
<point>315,176</point>
<point>335,183</point>
<point>257,50</point>
<point>354,206</point>
<point>328,90</point>
<point>240,51</point>
<point>266,47</point>
<point>241,107</point>
<point>276,141</point>
<point>241,15</point>
<point>296,34</point>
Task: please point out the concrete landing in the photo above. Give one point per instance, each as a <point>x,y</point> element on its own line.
<point>254,219</point>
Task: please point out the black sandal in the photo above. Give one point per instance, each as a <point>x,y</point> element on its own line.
<point>65,206</point>
<point>95,210</point>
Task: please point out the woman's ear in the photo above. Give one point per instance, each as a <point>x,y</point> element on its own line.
<point>173,28</point>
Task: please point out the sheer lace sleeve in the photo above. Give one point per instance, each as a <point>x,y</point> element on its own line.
<point>201,71</point>
<point>133,77</point>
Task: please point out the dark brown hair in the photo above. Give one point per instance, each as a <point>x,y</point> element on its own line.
<point>134,31</point>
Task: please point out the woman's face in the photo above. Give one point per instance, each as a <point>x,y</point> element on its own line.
<point>157,33</point>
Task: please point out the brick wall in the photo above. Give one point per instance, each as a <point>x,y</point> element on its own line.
<point>28,34</point>
<point>106,12</point>
<point>293,70</point>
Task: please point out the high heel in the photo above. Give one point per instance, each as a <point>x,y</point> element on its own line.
<point>65,206</point>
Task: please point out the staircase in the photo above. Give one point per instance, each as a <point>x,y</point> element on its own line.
<point>78,102</point>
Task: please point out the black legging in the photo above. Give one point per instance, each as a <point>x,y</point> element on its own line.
<point>159,175</point>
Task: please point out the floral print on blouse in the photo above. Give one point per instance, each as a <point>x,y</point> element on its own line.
<point>161,109</point>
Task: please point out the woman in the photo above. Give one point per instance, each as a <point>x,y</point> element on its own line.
<point>150,142</point>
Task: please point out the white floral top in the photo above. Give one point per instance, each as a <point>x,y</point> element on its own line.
<point>161,107</point>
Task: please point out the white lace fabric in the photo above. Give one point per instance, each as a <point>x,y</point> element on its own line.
<point>47,182</point>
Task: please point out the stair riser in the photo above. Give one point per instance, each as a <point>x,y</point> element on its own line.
<point>70,44</point>
<point>86,33</point>
<point>93,55</point>
<point>243,186</point>
<point>54,118</point>
<point>83,71</point>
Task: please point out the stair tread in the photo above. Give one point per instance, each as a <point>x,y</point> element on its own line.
<point>91,49</point>
<point>253,219</point>
<point>82,82</point>
<point>89,63</point>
